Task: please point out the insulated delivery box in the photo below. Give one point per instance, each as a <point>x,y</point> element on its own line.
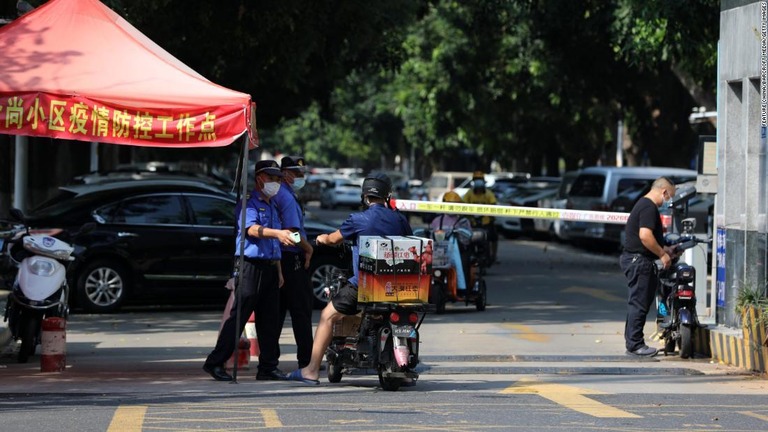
<point>395,269</point>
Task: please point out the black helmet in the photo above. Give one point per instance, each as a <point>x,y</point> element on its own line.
<point>377,185</point>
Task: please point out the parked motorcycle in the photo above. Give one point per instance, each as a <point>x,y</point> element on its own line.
<point>40,288</point>
<point>383,337</point>
<point>677,295</point>
<point>9,231</point>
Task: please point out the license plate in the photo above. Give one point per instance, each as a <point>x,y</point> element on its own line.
<point>402,331</point>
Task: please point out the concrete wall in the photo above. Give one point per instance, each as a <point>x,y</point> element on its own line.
<point>742,202</point>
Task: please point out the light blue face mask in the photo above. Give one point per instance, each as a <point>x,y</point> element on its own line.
<point>270,188</point>
<point>299,183</point>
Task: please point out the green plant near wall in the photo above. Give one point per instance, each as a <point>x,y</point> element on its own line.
<point>755,297</point>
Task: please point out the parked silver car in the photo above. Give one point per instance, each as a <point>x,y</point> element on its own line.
<point>342,192</point>
<point>596,187</point>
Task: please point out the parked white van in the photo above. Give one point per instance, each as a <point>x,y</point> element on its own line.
<point>596,187</point>
<point>442,181</point>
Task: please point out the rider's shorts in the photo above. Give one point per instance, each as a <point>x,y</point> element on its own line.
<point>345,299</point>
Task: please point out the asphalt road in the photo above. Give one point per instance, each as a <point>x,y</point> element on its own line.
<point>546,355</point>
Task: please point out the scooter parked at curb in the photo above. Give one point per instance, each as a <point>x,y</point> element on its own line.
<point>677,295</point>
<point>40,288</point>
<point>383,337</point>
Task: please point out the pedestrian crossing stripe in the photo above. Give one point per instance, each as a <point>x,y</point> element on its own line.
<point>511,211</point>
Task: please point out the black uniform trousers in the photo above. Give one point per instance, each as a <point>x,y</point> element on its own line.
<point>642,282</point>
<point>260,295</point>
<point>297,298</point>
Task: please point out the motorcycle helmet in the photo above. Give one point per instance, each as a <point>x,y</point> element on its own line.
<point>478,180</point>
<point>378,185</point>
<point>452,196</point>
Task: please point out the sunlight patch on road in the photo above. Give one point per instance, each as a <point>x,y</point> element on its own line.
<point>596,293</point>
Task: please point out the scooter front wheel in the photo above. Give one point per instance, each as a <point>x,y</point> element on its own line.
<point>29,328</point>
<point>686,341</point>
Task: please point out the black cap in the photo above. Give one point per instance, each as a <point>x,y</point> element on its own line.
<point>293,163</point>
<point>378,185</point>
<point>268,166</point>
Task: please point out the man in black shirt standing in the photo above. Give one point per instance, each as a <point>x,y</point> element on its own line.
<point>643,245</point>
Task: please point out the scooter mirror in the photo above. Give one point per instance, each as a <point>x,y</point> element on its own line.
<point>671,239</point>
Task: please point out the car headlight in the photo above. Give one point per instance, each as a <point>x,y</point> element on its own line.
<point>41,267</point>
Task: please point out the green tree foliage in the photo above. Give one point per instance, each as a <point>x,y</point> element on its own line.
<point>524,83</point>
<point>285,53</point>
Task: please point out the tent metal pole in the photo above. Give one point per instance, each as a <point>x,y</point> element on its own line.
<point>20,172</point>
<point>243,183</point>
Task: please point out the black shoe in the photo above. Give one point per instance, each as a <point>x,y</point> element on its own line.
<point>273,375</point>
<point>644,351</point>
<point>218,373</point>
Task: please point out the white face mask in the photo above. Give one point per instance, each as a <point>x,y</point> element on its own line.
<point>299,183</point>
<point>270,188</point>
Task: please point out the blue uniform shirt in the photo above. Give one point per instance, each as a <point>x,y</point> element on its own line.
<point>291,214</point>
<point>377,220</point>
<point>263,213</point>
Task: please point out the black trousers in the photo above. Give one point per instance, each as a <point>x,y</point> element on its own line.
<point>642,282</point>
<point>297,298</point>
<point>260,295</point>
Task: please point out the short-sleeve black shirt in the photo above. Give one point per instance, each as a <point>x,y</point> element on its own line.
<point>644,214</point>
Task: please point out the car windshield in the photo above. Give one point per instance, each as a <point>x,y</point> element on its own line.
<point>56,205</point>
<point>588,185</point>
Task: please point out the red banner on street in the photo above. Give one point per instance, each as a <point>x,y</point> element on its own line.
<point>80,118</point>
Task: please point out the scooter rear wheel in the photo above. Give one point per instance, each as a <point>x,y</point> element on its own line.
<point>438,297</point>
<point>387,383</point>
<point>334,370</point>
<point>669,345</point>
<point>482,296</point>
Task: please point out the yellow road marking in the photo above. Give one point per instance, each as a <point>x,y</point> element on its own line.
<point>526,333</point>
<point>351,421</point>
<point>755,415</point>
<point>271,419</point>
<point>571,398</point>
<point>596,293</point>
<point>128,419</point>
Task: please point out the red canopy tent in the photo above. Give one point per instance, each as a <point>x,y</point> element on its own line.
<point>74,69</point>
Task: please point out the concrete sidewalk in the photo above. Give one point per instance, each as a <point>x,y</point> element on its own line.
<point>151,351</point>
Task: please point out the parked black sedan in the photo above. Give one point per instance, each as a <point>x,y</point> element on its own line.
<point>165,240</point>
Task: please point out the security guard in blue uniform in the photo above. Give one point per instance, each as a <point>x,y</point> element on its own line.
<point>296,294</point>
<point>262,278</point>
<point>378,219</point>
